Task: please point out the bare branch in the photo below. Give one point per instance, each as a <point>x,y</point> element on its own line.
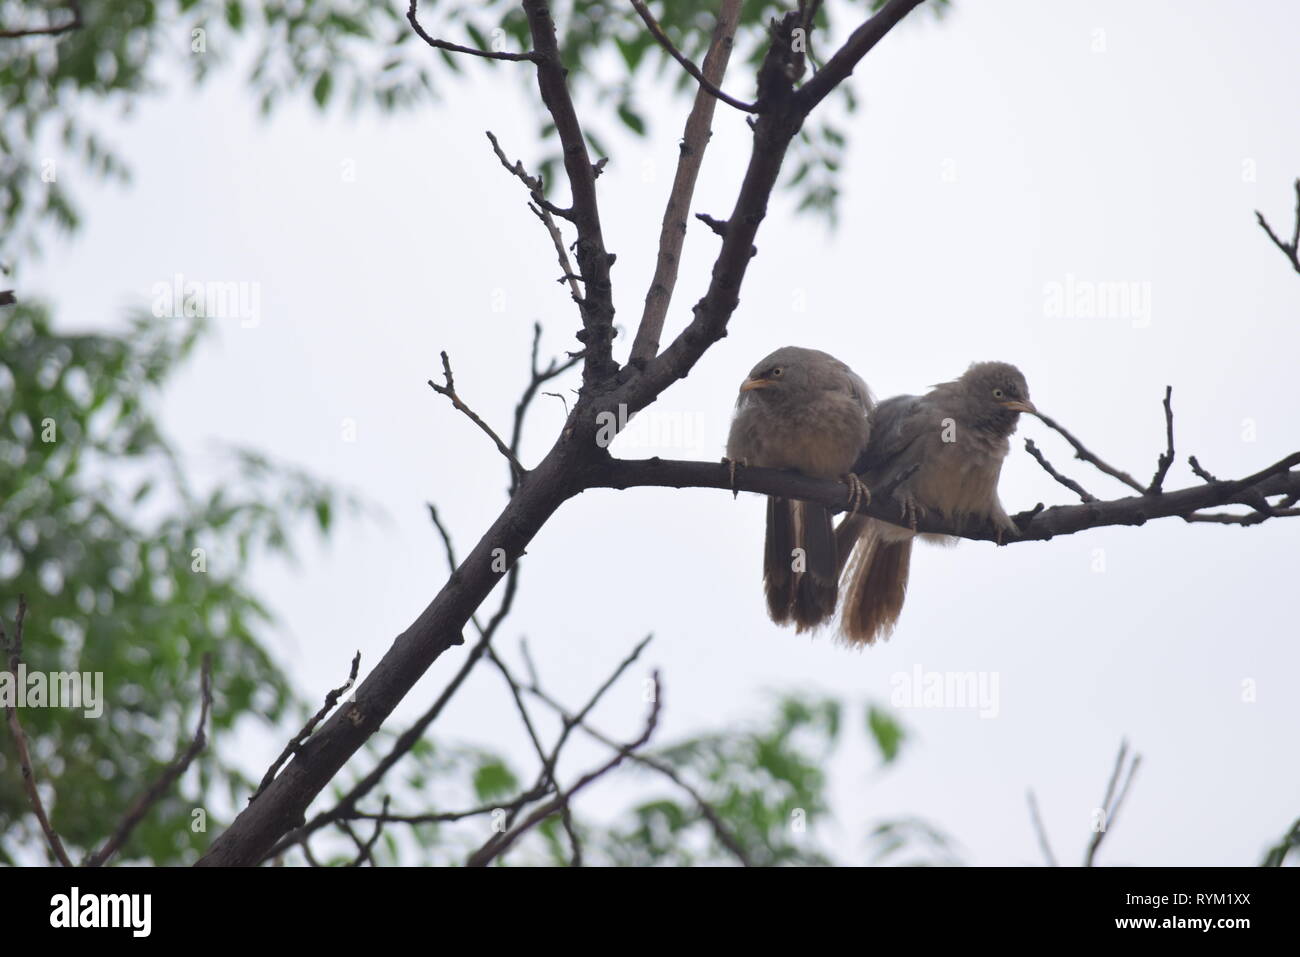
<point>536,189</point>
<point>707,82</point>
<point>135,814</point>
<point>1113,801</point>
<point>291,748</point>
<point>1069,483</point>
<point>1167,458</point>
<point>449,390</point>
<point>368,847</point>
<point>1292,249</point>
<point>449,817</point>
<point>597,306</point>
<point>74,6</point>
<point>707,810</point>
<point>1040,830</point>
<point>500,843</point>
<point>456,47</point>
<point>695,139</point>
<point>1080,452</point>
<point>15,653</point>
<point>1040,525</point>
<point>840,66</point>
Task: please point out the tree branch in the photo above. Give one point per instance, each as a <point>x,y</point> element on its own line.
<point>1292,249</point>
<point>707,810</point>
<point>456,47</point>
<point>74,6</point>
<point>1167,457</point>
<point>597,306</point>
<point>291,748</point>
<point>15,654</point>
<point>695,140</point>
<point>1040,830</point>
<point>1112,803</point>
<point>1044,525</point>
<point>1080,452</point>
<point>1069,483</point>
<point>840,66</point>
<point>449,390</point>
<point>169,777</point>
<point>708,82</point>
<point>500,843</point>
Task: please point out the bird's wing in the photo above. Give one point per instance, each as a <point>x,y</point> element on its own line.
<point>896,428</point>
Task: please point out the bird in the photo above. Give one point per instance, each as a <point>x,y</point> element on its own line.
<point>942,452</point>
<point>804,410</point>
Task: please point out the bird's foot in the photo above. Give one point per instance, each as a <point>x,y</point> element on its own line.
<point>911,509</point>
<point>731,472</point>
<point>859,494</point>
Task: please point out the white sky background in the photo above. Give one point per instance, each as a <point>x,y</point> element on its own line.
<point>1123,165</point>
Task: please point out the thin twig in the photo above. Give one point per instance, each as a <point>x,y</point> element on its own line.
<point>1080,452</point>
<point>15,652</point>
<point>456,47</point>
<point>1292,249</point>
<point>538,378</point>
<point>1200,472</point>
<point>449,390</point>
<point>500,843</point>
<point>594,260</point>
<point>169,777</point>
<point>705,83</point>
<point>536,188</point>
<point>296,741</point>
<point>1069,483</point>
<point>567,273</point>
<point>1254,518</point>
<point>368,848</point>
<point>707,810</point>
<point>672,234</point>
<point>1040,830</point>
<point>1167,458</point>
<point>1113,801</point>
<point>447,817</point>
<point>53,30</point>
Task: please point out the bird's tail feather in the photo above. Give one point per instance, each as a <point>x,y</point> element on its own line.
<point>817,587</point>
<point>877,586</point>
<point>778,575</point>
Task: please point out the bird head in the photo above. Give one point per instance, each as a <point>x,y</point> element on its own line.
<point>996,393</point>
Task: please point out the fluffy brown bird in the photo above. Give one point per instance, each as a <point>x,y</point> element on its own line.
<point>955,437</point>
<point>804,410</point>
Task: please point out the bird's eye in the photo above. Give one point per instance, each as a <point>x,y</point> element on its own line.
<point>776,373</point>
<point>997,393</point>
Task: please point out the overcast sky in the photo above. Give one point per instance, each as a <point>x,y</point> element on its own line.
<point>1000,157</point>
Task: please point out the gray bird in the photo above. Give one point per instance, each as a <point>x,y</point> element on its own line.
<point>956,437</point>
<point>804,410</point>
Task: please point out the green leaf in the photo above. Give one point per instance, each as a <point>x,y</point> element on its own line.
<point>321,90</point>
<point>631,119</point>
<point>493,779</point>
<point>887,733</point>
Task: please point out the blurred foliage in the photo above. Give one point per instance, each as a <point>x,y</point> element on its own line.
<point>56,91</point>
<point>767,784</point>
<point>131,571</point>
<point>1278,854</point>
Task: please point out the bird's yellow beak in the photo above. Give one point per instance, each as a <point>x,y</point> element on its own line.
<point>755,384</point>
<point>1017,405</point>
